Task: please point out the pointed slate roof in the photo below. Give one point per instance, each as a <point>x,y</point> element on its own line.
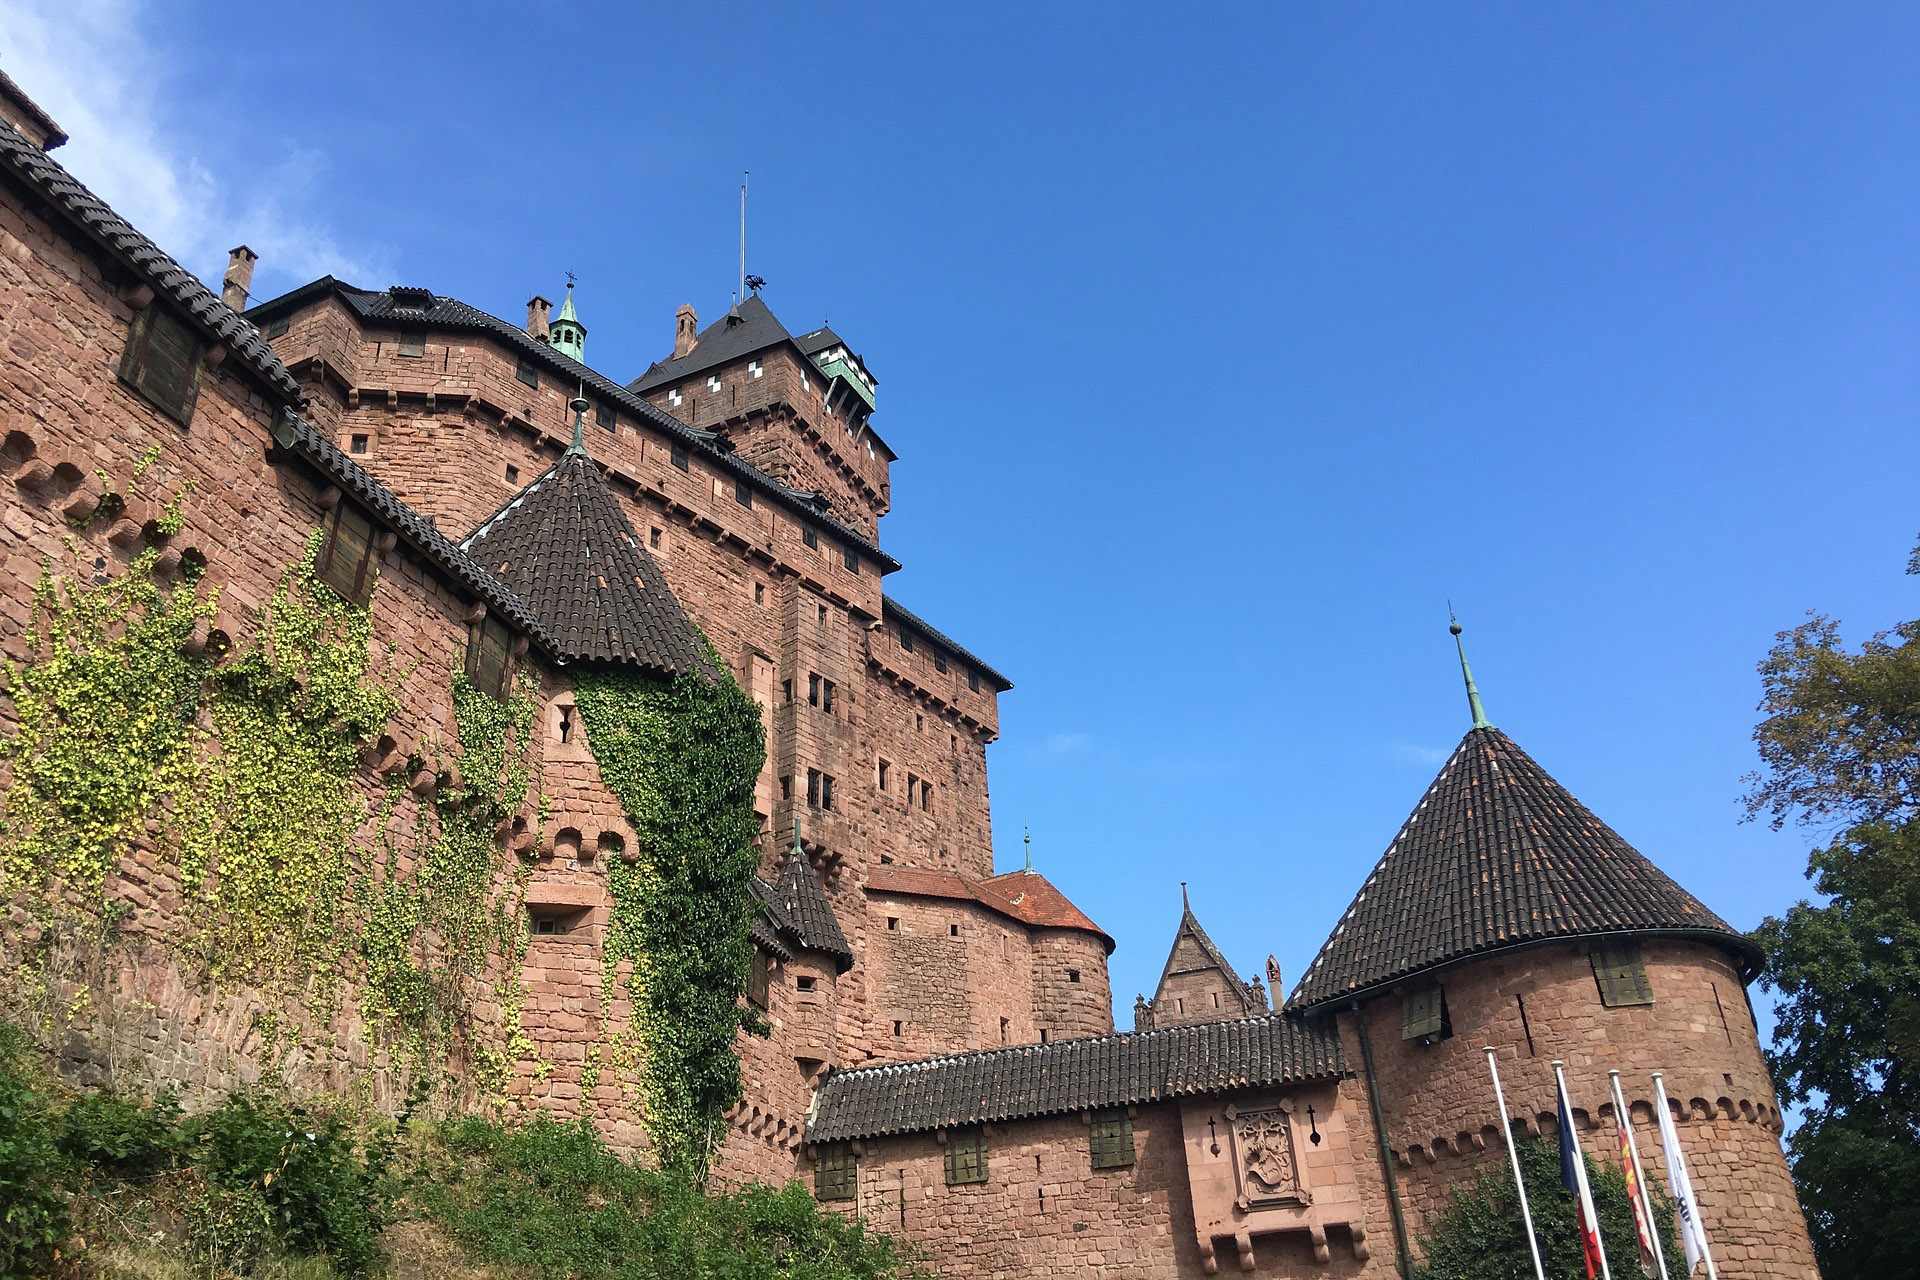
<point>1496,855</point>
<point>563,546</point>
<point>748,328</point>
<point>810,916</point>
<point>1190,928</point>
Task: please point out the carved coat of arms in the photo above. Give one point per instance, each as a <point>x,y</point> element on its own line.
<point>1266,1170</point>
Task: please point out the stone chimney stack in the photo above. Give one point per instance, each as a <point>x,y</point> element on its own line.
<point>239,278</point>
<point>685,323</point>
<point>537,309</point>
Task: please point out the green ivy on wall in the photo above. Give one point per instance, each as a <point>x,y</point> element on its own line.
<point>681,755</point>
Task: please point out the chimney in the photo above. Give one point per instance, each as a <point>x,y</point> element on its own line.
<point>537,308</point>
<point>239,277</point>
<point>684,324</point>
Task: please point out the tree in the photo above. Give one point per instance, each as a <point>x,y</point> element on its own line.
<point>1841,749</point>
<point>1481,1236</point>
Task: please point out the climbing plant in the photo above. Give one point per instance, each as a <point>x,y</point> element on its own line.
<point>681,756</point>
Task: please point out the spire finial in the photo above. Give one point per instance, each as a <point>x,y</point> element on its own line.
<point>1480,720</point>
<point>798,852</point>
<point>579,406</point>
<point>1027,835</point>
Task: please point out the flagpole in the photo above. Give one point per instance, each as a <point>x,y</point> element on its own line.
<point>1624,1118</point>
<point>1679,1185</point>
<point>1513,1153</point>
<point>1580,1170</point>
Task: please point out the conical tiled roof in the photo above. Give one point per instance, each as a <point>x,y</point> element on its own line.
<point>809,914</point>
<point>563,546</point>
<point>1497,855</point>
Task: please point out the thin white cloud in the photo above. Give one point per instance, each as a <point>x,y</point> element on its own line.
<point>1062,746</point>
<point>1416,754</point>
<point>90,64</point>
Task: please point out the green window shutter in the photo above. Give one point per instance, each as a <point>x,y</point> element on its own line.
<point>836,1172</point>
<point>1421,1014</point>
<point>1621,976</point>
<point>1112,1139</point>
<point>966,1156</point>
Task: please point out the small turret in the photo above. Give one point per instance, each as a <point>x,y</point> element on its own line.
<point>567,335</point>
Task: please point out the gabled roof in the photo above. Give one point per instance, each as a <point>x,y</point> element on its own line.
<point>1190,929</point>
<point>739,333</point>
<point>563,546</point>
<point>420,309</point>
<point>1073,1075</point>
<point>809,914</point>
<point>168,279</point>
<point>1496,855</point>
<point>1026,896</point>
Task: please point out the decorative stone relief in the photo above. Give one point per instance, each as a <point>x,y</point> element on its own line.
<point>1266,1171</point>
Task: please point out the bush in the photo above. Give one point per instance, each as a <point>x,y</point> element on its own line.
<point>126,1137</point>
<point>301,1173</point>
<point>34,1175</point>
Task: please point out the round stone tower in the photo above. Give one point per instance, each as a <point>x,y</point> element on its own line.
<point>1506,914</point>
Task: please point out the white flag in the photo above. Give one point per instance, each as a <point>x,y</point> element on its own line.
<point>1693,1236</point>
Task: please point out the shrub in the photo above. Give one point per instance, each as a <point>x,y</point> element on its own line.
<point>34,1174</point>
<point>127,1137</point>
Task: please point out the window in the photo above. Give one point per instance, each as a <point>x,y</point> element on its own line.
<point>753,369</point>
<point>826,696</point>
<point>939,661</point>
<point>546,925</point>
<point>490,661</point>
<point>742,493</point>
<point>513,474</point>
<point>919,723</point>
<point>786,691</point>
<point>673,396</point>
<point>881,769</point>
<point>897,1026</point>
<point>813,787</point>
<point>906,641</point>
<point>1112,1139</point>
<point>813,689</point>
<point>926,797</point>
<point>1073,975</point>
<point>973,680</point>
<point>821,615</point>
<point>809,535</point>
<point>1622,978</point>
<point>1003,1031</point>
<point>413,350</point>
<point>713,383</point>
<point>346,557</point>
<point>278,328</point>
<point>162,362</point>
<point>786,786</point>
<point>677,454</point>
<point>1043,1035</point>
<point>759,593</point>
<point>759,979</point>
<point>851,559</point>
<point>913,789</point>
<point>527,373</point>
<point>836,1171</point>
<point>967,1155</point>
<point>1423,1016</point>
<point>604,416</point>
<point>826,791</point>
<point>893,926</point>
<point>566,724</point>
<point>653,538</point>
<point>953,931</point>
<point>357,442</point>
<point>805,982</point>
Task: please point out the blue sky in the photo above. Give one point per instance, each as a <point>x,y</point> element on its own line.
<point>1221,348</point>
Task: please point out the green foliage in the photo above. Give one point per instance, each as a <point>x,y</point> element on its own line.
<point>1481,1235</point>
<point>1841,745</point>
<point>33,1173</point>
<point>129,1137</point>
<point>681,756</point>
<point>548,1198</point>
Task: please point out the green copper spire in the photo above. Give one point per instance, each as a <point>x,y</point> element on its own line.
<point>579,406</point>
<point>566,334</point>
<point>1027,835</point>
<point>1480,720</point>
<point>797,851</point>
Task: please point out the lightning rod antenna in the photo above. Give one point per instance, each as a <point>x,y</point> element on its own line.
<point>741,295</point>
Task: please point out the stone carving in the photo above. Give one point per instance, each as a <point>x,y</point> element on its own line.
<point>1265,1168</point>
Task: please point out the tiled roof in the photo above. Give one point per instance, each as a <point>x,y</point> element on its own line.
<point>12,92</point>
<point>810,915</point>
<point>1026,896</point>
<point>819,340</point>
<point>297,436</point>
<point>1497,854</point>
<point>168,279</point>
<point>727,339</point>
<point>1190,928</point>
<point>1073,1075</point>
<point>770,928</point>
<point>563,545</point>
<point>902,614</point>
<point>408,308</point>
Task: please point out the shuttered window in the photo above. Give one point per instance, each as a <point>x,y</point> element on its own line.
<point>490,656</point>
<point>346,557</point>
<point>162,362</point>
<point>836,1171</point>
<point>1622,978</point>
<point>527,373</point>
<point>759,978</point>
<point>966,1156</point>
<point>1423,1016</point>
<point>1112,1139</point>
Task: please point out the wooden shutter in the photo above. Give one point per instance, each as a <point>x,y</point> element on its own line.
<point>1112,1140</point>
<point>966,1156</point>
<point>1422,1014</point>
<point>1621,976</point>
<point>836,1172</point>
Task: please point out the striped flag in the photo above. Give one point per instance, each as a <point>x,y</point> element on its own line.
<point>1573,1176</point>
<point>1636,1196</point>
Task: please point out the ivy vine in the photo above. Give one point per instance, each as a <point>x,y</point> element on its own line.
<point>681,755</point>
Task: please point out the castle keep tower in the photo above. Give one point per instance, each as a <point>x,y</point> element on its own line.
<point>1506,913</point>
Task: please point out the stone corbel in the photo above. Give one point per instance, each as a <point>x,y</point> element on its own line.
<point>1243,1241</point>
<point>386,540</point>
<point>1318,1234</point>
<point>476,614</point>
<point>138,295</point>
<point>214,356</point>
<point>329,497</point>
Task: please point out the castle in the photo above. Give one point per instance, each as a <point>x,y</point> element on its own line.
<point>941,1054</point>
